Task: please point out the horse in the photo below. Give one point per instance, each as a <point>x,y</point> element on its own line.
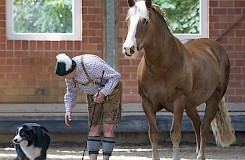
<point>178,77</point>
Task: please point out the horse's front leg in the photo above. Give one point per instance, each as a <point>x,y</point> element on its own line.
<point>153,130</point>
<point>178,109</point>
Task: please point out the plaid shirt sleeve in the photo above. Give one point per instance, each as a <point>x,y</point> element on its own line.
<point>70,97</point>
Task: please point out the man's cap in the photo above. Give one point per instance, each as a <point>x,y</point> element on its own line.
<point>64,65</point>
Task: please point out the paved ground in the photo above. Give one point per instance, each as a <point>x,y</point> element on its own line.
<point>61,151</point>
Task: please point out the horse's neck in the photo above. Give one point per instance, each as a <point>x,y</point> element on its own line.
<point>162,51</point>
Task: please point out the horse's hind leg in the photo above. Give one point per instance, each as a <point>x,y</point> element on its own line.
<point>196,123</point>
<point>153,130</point>
<point>210,112</point>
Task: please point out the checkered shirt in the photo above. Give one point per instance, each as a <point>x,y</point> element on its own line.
<point>95,67</point>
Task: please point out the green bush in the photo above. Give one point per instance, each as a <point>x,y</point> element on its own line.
<point>42,16</point>
<point>182,16</point>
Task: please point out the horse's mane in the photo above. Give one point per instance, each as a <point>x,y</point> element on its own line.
<point>160,13</point>
<point>158,10</point>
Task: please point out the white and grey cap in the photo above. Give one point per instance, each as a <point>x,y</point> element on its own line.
<point>64,65</point>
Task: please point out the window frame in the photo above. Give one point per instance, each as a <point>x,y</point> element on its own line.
<point>77,24</point>
<point>204,29</point>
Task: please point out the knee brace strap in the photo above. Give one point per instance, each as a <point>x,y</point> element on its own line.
<point>108,144</point>
<point>93,144</point>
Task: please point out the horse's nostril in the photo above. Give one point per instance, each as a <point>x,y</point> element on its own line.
<point>132,50</point>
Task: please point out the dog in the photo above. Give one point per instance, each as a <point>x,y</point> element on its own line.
<point>31,141</point>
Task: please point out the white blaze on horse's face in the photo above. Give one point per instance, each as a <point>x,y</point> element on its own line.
<point>135,14</point>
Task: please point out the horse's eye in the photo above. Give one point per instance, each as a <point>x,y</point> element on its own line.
<point>144,21</point>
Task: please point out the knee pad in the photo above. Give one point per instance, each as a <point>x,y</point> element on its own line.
<point>93,144</point>
<point>108,144</point>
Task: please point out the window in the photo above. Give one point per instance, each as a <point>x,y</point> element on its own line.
<point>187,19</point>
<point>43,19</point>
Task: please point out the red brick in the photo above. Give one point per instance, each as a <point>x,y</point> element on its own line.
<point>62,45</point>
<point>230,91</point>
<point>2,38</point>
<point>220,26</point>
<point>40,45</point>
<point>2,31</point>
<point>12,76</point>
<point>27,91</point>
<point>55,45</point>
<point>17,45</point>
<point>88,3</point>
<point>25,45</point>
<point>77,45</point>
<point>2,9</point>
<point>7,69</point>
<point>219,11</point>
<point>240,3</point>
<point>234,40</point>
<point>15,61</point>
<point>21,84</point>
<point>235,84</point>
<point>213,4</point>
<point>95,39</point>
<point>5,84</point>
<point>47,45</point>
<point>12,92</point>
<point>240,33</point>
<point>240,91</point>
<point>33,45</point>
<point>70,45</point>
<point>95,25</point>
<point>21,54</point>
<point>2,24</point>
<point>94,11</point>
<point>28,76</point>
<point>37,54</point>
<point>10,45</point>
<point>89,17</point>
<point>234,11</point>
<point>22,69</point>
<point>88,47</point>
<point>226,4</point>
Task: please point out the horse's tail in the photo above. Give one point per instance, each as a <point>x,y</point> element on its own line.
<point>221,125</point>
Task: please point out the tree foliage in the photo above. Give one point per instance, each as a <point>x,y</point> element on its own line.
<point>182,16</point>
<point>42,16</point>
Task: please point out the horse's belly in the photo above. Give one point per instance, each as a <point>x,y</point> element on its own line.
<point>200,95</point>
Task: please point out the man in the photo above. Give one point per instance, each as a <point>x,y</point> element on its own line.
<point>101,84</point>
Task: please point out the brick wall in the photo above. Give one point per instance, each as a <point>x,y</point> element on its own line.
<point>223,14</point>
<point>26,67</point>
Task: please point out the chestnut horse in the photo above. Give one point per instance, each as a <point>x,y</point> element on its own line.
<point>178,77</point>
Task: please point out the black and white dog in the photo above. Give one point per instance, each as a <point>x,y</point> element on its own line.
<point>31,141</point>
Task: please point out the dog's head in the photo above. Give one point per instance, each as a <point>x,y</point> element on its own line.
<point>24,133</point>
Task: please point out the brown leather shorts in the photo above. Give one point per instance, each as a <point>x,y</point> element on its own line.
<point>109,111</point>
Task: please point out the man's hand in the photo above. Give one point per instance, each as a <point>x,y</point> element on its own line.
<point>68,119</point>
<point>99,98</point>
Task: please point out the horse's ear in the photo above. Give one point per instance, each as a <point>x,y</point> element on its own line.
<point>148,3</point>
<point>131,3</point>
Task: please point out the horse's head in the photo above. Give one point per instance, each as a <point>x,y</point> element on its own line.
<point>138,26</point>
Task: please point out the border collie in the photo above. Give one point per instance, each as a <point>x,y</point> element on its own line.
<point>31,141</point>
